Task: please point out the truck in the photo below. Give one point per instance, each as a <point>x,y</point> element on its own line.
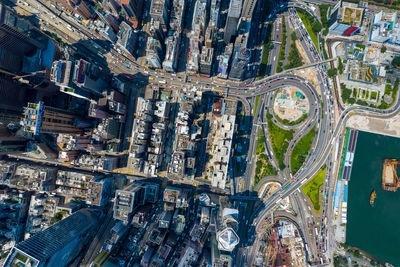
<point>127,64</point>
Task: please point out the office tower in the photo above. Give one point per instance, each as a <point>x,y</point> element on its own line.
<point>78,78</point>
<point>154,52</point>
<point>77,6</point>
<point>131,196</point>
<point>126,201</point>
<point>235,8</point>
<point>225,61</point>
<point>112,6</point>
<point>23,50</point>
<point>127,38</point>
<point>13,97</point>
<point>206,61</point>
<point>241,57</point>
<point>99,190</point>
<point>159,12</point>
<point>57,245</point>
<point>15,42</point>
<point>132,10</point>
<point>172,52</point>
<point>13,47</point>
<point>83,10</point>
<point>248,8</point>
<point>44,119</point>
<point>9,143</point>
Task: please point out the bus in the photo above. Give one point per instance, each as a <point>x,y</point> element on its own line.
<point>286,187</point>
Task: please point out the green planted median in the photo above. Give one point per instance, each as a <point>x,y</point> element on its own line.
<point>280,139</point>
<point>267,48</point>
<point>300,151</point>
<point>260,142</point>
<point>311,189</point>
<point>311,24</point>
<point>256,105</point>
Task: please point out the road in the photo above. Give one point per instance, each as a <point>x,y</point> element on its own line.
<point>328,129</point>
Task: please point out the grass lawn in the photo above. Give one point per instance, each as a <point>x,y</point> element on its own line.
<point>256,105</point>
<point>307,23</point>
<point>311,189</point>
<point>291,123</point>
<point>260,142</point>
<point>294,58</point>
<point>300,150</point>
<point>280,139</point>
<point>263,168</point>
<point>349,13</point>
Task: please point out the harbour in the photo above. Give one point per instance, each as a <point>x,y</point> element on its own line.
<point>373,215</point>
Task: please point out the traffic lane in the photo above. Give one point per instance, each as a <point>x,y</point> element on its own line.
<point>253,138</point>
<point>277,197</point>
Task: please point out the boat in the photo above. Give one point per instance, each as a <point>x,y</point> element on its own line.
<point>372,198</point>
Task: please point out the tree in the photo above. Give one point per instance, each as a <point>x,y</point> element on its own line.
<point>340,66</point>
<point>332,72</point>
<point>383,49</point>
<point>396,62</point>
<point>293,36</point>
<point>317,27</point>
<point>58,216</point>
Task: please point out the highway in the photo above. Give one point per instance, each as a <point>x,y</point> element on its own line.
<point>322,111</point>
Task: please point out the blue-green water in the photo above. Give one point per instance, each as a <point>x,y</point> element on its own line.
<point>375,230</point>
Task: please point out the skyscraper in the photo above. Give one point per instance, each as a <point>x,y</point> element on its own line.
<point>241,56</point>
<point>9,143</point>
<point>44,119</point>
<point>248,8</point>
<point>18,40</point>
<point>235,8</point>
<point>77,6</point>
<point>57,245</point>
<point>23,49</point>
<point>126,201</point>
<point>132,10</point>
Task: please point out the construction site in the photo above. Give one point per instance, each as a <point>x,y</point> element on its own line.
<point>390,180</point>
<point>281,245</point>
